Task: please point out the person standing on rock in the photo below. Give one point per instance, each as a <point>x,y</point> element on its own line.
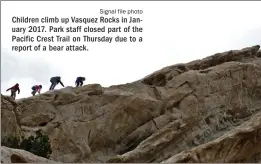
<point>13,90</point>
<point>36,88</point>
<point>79,81</point>
<point>55,80</point>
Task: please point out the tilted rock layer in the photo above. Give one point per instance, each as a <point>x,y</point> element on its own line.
<point>207,110</point>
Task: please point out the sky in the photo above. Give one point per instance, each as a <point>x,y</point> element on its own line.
<point>173,32</point>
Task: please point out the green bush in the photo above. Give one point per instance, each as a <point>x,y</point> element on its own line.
<point>38,145</point>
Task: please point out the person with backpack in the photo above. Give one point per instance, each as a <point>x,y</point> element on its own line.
<point>79,81</point>
<point>36,88</point>
<point>55,80</point>
<point>13,90</point>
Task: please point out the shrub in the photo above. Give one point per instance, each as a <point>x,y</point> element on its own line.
<point>38,145</point>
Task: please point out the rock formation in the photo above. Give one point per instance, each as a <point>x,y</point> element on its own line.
<point>207,110</point>
<point>9,155</point>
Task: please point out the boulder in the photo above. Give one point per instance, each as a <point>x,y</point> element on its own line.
<point>9,155</point>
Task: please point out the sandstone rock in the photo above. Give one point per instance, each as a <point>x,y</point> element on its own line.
<point>9,123</point>
<point>219,58</point>
<point>235,146</point>
<point>172,114</point>
<point>9,155</point>
<point>258,54</point>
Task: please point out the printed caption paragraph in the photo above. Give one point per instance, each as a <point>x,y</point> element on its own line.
<point>76,33</point>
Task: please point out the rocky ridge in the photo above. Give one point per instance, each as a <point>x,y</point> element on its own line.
<point>207,110</point>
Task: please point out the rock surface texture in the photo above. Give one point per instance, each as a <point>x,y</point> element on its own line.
<point>207,110</point>
<point>9,155</point>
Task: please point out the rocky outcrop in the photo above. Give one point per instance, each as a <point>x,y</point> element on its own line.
<point>239,145</point>
<point>203,111</point>
<point>9,124</point>
<point>9,155</point>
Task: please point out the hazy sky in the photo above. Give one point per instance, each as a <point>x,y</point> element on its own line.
<point>174,32</point>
